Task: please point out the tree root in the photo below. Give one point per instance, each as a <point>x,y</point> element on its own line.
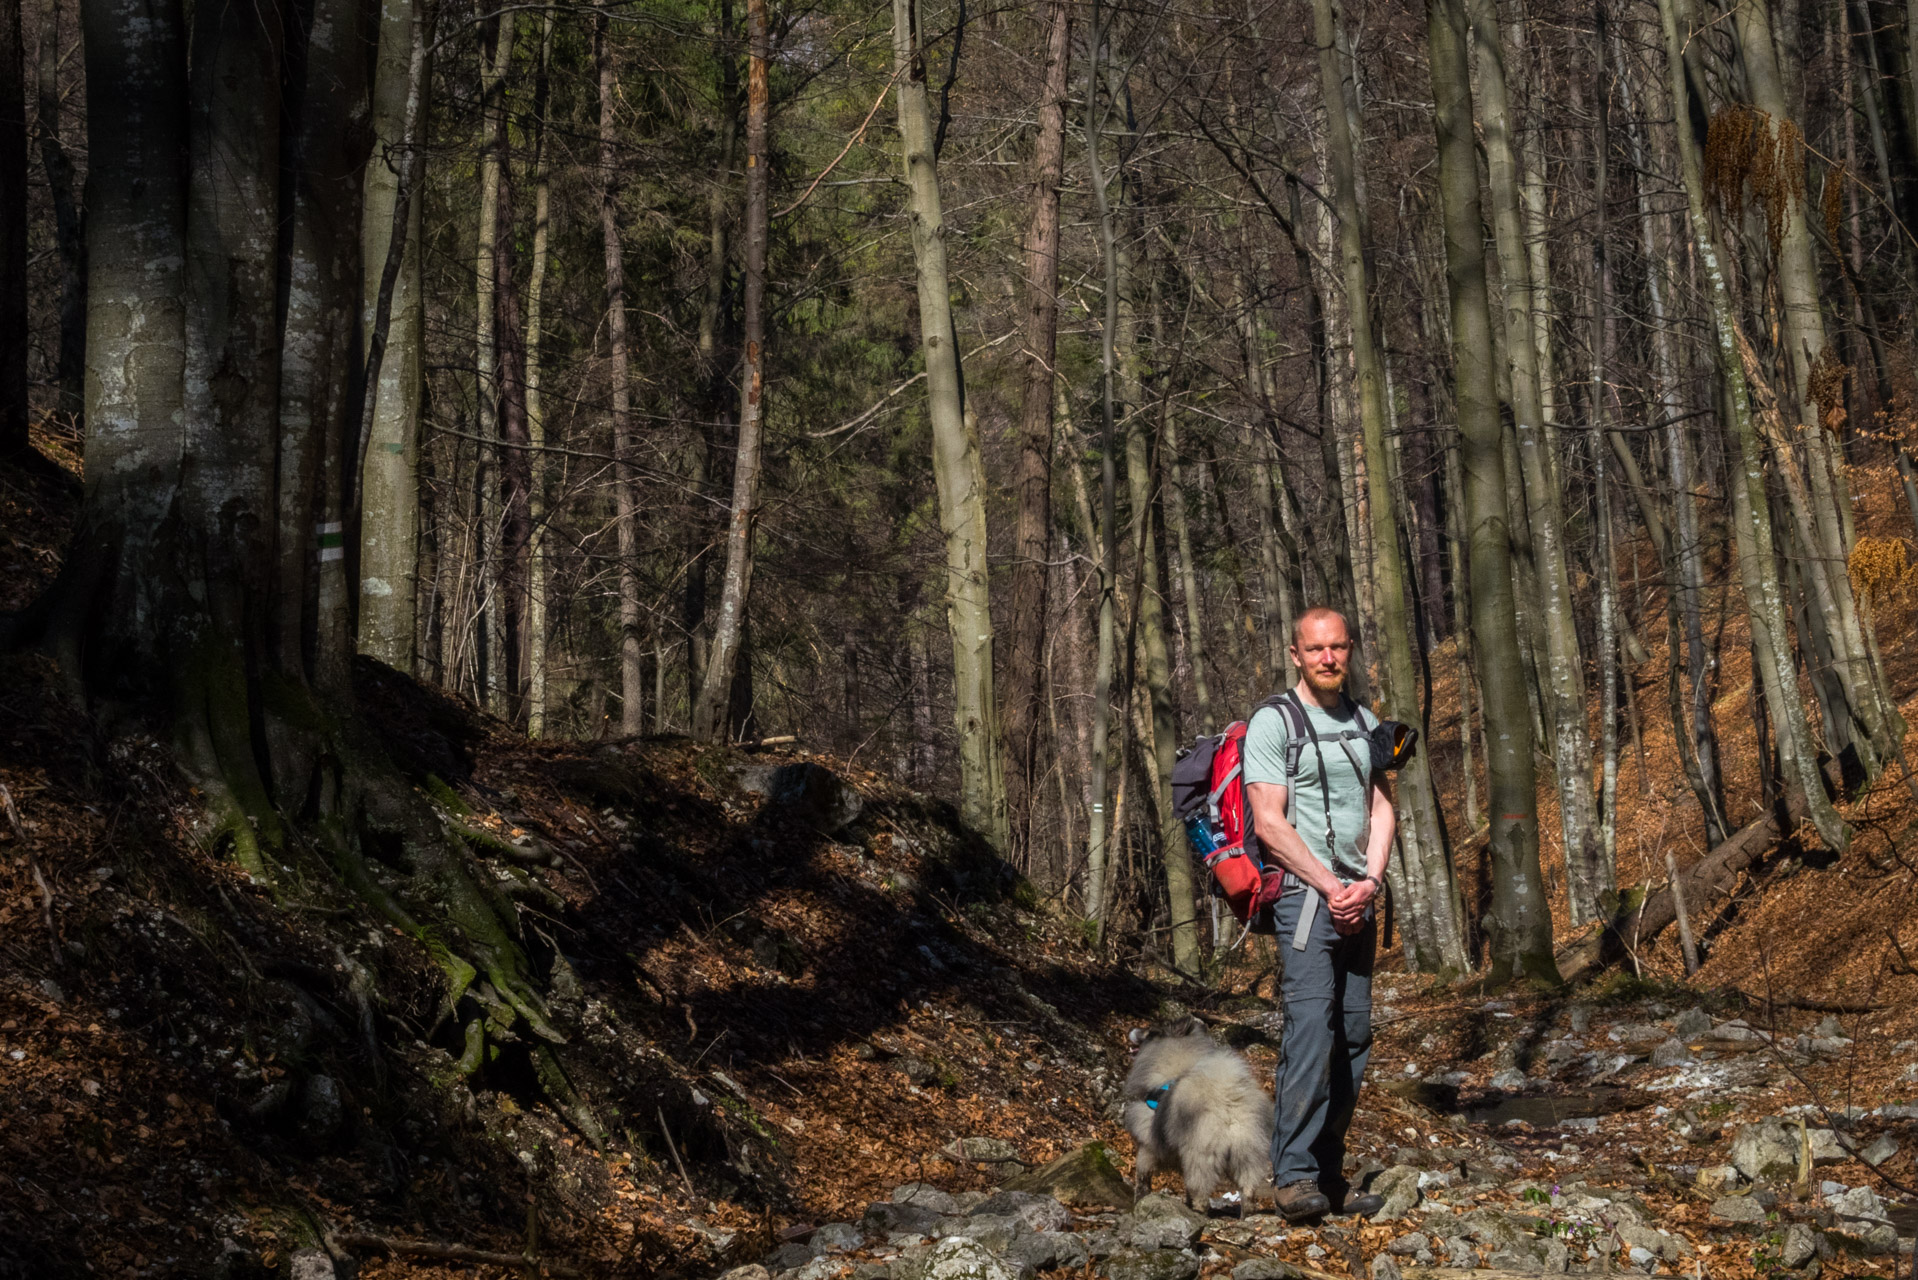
<point>450,1253</point>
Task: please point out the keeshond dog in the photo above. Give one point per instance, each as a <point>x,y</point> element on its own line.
<point>1193,1107</point>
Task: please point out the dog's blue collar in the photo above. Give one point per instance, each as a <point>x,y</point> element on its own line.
<point>1158,1095</point>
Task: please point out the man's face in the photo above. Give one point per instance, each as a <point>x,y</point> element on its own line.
<point>1322,652</point>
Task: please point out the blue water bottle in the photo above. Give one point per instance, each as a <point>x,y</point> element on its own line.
<point>1199,831</point>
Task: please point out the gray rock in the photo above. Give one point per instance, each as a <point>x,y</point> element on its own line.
<point>751,1271</point>
<point>1829,1026</point>
<point>1824,1046</point>
<point>1160,1222</point>
<point>1399,1186</point>
<point>804,792</point>
<point>1738,1209</point>
<point>1881,1150</point>
<point>1716,1179</point>
<point>321,1110</point>
<point>1149,1264</point>
<point>871,1271</point>
<point>1670,1053</point>
<point>837,1237</point>
<point>1642,1258</point>
<point>1861,1203</point>
<point>1580,1016</point>
<point>953,1259</point>
<point>926,1196</point>
<point>1691,1024</point>
<point>1383,1268</point>
<point>1460,1253</point>
<point>996,1231</point>
<point>888,1217</point>
<point>1047,1251</point>
<point>310,1264</point>
<point>1408,1245</point>
<point>788,1257</point>
<point>1670,1248</point>
<point>1041,1213</point>
<point>1767,1149</point>
<point>1800,1246</point>
<point>1510,1078</point>
<point>824,1267</point>
<point>1103,1244</point>
<point>1643,1034</point>
<point>1826,1148</point>
<point>1085,1176</point>
<point>1266,1269</point>
<point>1734,1032</point>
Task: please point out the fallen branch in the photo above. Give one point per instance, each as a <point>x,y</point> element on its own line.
<point>1810,1006</point>
<point>451,1253</point>
<point>1709,879</point>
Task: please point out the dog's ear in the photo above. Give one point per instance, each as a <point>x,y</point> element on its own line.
<point>1137,1036</point>
<point>1194,1027</point>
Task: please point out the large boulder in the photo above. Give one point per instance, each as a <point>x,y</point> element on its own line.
<point>1766,1149</point>
<point>925,1196</point>
<point>803,792</point>
<point>955,1258</point>
<point>1085,1176</point>
<point>1738,1209</point>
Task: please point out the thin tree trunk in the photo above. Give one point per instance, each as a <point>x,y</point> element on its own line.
<point>536,567</point>
<point>1520,921</point>
<point>1025,686</point>
<point>1588,876</point>
<point>1176,524</point>
<point>69,224</point>
<point>711,721</point>
<point>957,469</point>
<point>388,498</point>
<point>632,689</point>
<point>1602,551</point>
<point>1758,565</point>
<point>13,231</point>
<point>1433,912</point>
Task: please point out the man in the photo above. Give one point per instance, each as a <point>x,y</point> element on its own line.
<point>1333,838</point>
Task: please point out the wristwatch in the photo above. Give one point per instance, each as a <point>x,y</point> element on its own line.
<point>1376,886</point>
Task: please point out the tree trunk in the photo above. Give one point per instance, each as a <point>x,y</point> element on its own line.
<point>69,226</point>
<point>1025,687</point>
<point>13,231</point>
<point>1433,914</point>
<point>1751,515</point>
<point>632,688</point>
<point>1605,568</point>
<point>711,719</point>
<point>1520,921</point>
<point>1589,877</point>
<point>493,67</point>
<point>536,567</point>
<point>1176,524</point>
<point>959,474</point>
<point>389,475</point>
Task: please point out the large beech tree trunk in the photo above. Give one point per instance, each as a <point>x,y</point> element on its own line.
<point>1433,915</point>
<point>711,718</point>
<point>1590,878</point>
<point>957,470</point>
<point>536,567</point>
<point>1025,667</point>
<point>13,231</point>
<point>1520,924</point>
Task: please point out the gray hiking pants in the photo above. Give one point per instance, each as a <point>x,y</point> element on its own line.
<point>1326,994</point>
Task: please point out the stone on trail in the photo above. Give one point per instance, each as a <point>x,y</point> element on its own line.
<point>1738,1209</point>
<point>1510,1078</point>
<point>1399,1186</point>
<point>1266,1269</point>
<point>1460,1254</point>
<point>311,1264</point>
<point>1383,1268</point>
<point>1766,1149</point>
<point>1409,1245</point>
<point>1800,1246</point>
<point>1085,1177</point>
<point>953,1259</point>
<point>751,1271</point>
<point>1670,1053</point>
<point>837,1237</point>
<point>1691,1024</point>
<point>1716,1179</point>
<point>1160,1222</point>
<point>996,1231</point>
<point>887,1218</point>
<point>821,1268</point>
<point>1826,1148</point>
<point>925,1196</point>
<point>1048,1251</point>
<point>1039,1212</point>
<point>1879,1151</point>
<point>1640,1034</point>
<point>1861,1203</point>
<point>1150,1264</point>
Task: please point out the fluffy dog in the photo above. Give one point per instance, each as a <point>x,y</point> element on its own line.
<point>1193,1107</point>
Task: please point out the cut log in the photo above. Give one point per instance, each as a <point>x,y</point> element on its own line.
<point>1704,884</point>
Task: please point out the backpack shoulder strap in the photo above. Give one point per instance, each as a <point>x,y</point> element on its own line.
<point>1297,731</point>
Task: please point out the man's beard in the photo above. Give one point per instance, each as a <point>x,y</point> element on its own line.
<point>1323,682</point>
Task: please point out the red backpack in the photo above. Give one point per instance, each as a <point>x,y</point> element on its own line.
<point>1208,796</point>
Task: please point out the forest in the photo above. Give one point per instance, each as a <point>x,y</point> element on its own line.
<point>971,395</point>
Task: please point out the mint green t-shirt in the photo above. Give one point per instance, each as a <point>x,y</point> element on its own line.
<point>1348,773</point>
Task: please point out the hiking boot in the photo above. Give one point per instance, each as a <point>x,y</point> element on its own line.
<point>1353,1202</point>
<point>1300,1200</point>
